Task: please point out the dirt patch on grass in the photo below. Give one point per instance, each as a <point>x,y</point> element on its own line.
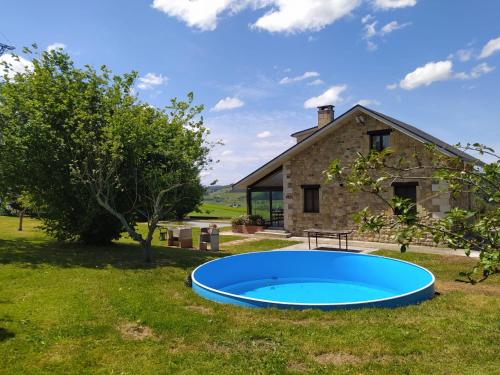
<point>444,287</point>
<point>298,367</point>
<point>337,359</point>
<point>201,309</point>
<point>135,331</point>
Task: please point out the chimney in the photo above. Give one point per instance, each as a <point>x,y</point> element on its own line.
<point>325,115</point>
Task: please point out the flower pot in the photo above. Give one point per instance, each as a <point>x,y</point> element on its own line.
<point>247,229</point>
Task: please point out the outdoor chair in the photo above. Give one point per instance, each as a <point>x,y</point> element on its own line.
<point>209,236</point>
<point>182,237</point>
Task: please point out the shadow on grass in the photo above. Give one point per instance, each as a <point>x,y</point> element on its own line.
<point>5,334</point>
<point>123,256</point>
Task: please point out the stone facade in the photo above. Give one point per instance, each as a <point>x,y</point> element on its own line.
<point>337,204</point>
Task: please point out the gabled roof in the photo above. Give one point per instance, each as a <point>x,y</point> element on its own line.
<point>403,127</point>
<point>303,131</point>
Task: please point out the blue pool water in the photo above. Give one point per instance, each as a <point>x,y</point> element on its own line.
<point>308,290</point>
<point>312,279</point>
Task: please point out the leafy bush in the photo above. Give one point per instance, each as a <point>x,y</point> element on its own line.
<point>248,220</point>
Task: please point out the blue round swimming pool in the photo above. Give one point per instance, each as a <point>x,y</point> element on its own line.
<point>312,279</point>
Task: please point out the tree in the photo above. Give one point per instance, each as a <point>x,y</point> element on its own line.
<point>43,112</point>
<point>196,192</point>
<point>22,205</point>
<point>83,146</point>
<point>151,156</point>
<point>474,228</point>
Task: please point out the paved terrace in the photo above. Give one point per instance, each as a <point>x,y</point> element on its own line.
<point>327,243</point>
<point>358,246</point>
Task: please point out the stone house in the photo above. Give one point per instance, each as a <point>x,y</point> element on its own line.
<point>290,191</point>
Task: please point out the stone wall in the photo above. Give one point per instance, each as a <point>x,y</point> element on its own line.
<point>337,205</point>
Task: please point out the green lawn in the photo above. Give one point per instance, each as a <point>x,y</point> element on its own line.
<point>69,309</point>
<point>218,211</point>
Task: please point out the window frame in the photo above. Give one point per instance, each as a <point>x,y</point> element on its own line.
<point>379,134</point>
<point>409,184</point>
<point>313,206</point>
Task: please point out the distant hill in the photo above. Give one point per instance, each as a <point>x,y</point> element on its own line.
<point>222,203</point>
<point>222,195</point>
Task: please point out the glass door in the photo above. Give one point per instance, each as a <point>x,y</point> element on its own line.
<point>277,209</point>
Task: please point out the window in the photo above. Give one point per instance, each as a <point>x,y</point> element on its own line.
<point>311,198</point>
<point>379,139</point>
<point>406,190</point>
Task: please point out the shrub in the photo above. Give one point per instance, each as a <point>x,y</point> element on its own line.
<point>248,220</point>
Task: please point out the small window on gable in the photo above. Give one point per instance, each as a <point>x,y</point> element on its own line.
<point>311,198</point>
<point>379,139</point>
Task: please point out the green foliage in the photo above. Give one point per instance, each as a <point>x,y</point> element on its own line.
<point>99,160</point>
<point>469,229</point>
<point>46,116</point>
<point>248,220</point>
<point>195,191</point>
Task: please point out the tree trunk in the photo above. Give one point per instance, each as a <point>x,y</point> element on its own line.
<point>146,248</point>
<point>21,218</point>
<point>148,253</point>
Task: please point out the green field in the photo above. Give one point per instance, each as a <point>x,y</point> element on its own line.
<point>210,210</point>
<point>225,196</point>
<point>71,309</point>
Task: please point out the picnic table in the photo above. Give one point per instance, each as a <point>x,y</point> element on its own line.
<point>325,233</point>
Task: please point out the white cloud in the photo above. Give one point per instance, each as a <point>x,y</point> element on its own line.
<point>391,26</point>
<point>303,15</point>
<point>392,86</point>
<point>16,64</point>
<point>490,48</point>
<point>151,80</point>
<point>330,96</point>
<point>464,54</point>
<point>264,134</point>
<point>302,77</point>
<point>316,82</point>
<point>427,74</point>
<point>56,45</point>
<point>235,127</point>
<point>438,71</point>
<point>476,72</point>
<point>367,19</point>
<point>227,152</point>
<point>392,4</point>
<point>227,103</point>
<point>283,15</point>
<point>370,30</point>
<point>198,13</point>
<point>368,102</point>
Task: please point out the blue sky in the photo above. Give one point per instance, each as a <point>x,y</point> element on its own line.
<point>260,66</point>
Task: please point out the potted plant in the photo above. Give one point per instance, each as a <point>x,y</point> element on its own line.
<point>248,224</point>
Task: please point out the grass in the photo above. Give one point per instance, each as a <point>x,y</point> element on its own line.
<point>218,211</point>
<point>69,309</point>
